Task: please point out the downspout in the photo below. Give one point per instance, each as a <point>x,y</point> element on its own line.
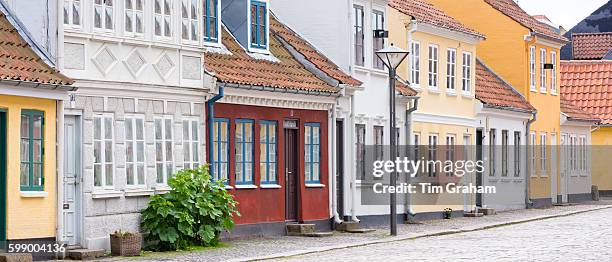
<point>409,212</point>
<point>211,126</point>
<point>334,167</point>
<point>354,178</point>
<point>528,202</point>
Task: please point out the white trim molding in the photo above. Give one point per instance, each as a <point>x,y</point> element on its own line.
<point>444,119</point>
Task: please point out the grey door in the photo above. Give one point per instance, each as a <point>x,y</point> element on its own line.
<point>71,204</point>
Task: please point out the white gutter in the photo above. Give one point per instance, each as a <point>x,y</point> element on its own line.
<point>409,210</point>
<point>334,167</point>
<point>352,163</point>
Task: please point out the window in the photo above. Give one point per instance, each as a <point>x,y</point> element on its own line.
<point>416,143</point>
<point>134,16</point>
<point>542,70</point>
<point>162,18</point>
<point>134,151</point>
<point>466,79</point>
<point>450,150</point>
<point>492,153</point>
<point>532,159</point>
<point>378,143</point>
<point>432,154</point>
<point>164,163</point>
<point>553,77</point>
<point>504,152</point>
<point>190,144</point>
<point>103,14</point>
<point>451,68</point>
<point>244,151</point>
<point>433,66</point>
<point>221,156</point>
<point>543,153</point>
<point>359,35</point>
<point>532,68</point>
<point>267,152</point>
<point>211,21</point>
<point>72,12</point>
<point>103,151</point>
<point>32,150</point>
<point>415,63</point>
<point>517,154</point>
<point>189,23</point>
<point>360,132</point>
<point>378,23</point>
<point>583,154</point>
<point>573,153</point>
<point>312,148</point>
<point>259,32</point>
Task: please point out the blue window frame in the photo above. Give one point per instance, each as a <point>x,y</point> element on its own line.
<point>211,21</point>
<point>32,150</point>
<point>221,149</point>
<point>259,24</point>
<point>312,154</point>
<point>267,152</point>
<point>244,151</point>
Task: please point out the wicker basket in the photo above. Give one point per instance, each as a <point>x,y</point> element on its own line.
<point>126,244</point>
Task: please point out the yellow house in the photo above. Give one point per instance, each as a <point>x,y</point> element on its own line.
<point>442,69</point>
<point>518,47</point>
<point>31,92</point>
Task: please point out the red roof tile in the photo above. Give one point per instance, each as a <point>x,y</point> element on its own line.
<point>591,46</point>
<point>494,91</point>
<point>404,89</point>
<point>424,12</point>
<point>574,112</point>
<point>515,12</point>
<point>588,85</point>
<point>20,63</point>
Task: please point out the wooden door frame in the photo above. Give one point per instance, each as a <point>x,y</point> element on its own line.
<point>297,167</point>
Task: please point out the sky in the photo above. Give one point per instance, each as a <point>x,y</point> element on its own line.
<point>563,12</point>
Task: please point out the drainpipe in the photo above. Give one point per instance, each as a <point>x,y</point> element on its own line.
<point>334,167</point>
<point>528,202</point>
<point>354,178</point>
<point>409,212</point>
<point>211,125</point>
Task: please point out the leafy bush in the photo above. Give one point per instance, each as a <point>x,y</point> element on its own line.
<point>194,212</point>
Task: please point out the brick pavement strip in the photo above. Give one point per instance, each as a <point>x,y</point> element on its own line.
<point>286,247</point>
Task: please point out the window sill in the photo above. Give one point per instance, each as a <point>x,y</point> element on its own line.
<point>34,194</point>
<point>434,90</point>
<point>416,87</point>
<point>139,192</point>
<point>543,91</point>
<point>160,190</point>
<point>106,194</point>
<point>315,185</point>
<point>270,186</point>
<point>451,93</point>
<point>518,180</point>
<point>533,89</point>
<point>246,187</point>
<point>468,95</point>
<point>554,94</point>
<point>228,187</point>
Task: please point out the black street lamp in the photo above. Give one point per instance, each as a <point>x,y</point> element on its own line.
<point>392,57</point>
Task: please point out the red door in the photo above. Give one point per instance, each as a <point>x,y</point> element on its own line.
<point>291,175</point>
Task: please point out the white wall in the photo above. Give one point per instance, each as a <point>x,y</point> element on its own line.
<point>39,18</point>
<point>577,181</point>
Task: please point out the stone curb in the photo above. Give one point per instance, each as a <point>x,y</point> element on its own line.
<point>417,236</point>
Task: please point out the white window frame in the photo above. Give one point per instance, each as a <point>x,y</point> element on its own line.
<point>163,17</point>
<point>134,141</point>
<point>415,64</point>
<point>451,70</point>
<point>584,156</point>
<point>517,154</point>
<point>103,141</point>
<point>163,140</point>
<point>190,19</point>
<point>532,69</point>
<point>543,74</point>
<point>105,8</point>
<point>432,151</point>
<point>553,77</point>
<point>532,154</point>
<point>190,141</point>
<point>492,152</point>
<point>133,13</point>
<point>451,154</point>
<point>377,63</point>
<point>467,69</point>
<point>433,67</point>
<point>70,4</point>
<point>543,155</point>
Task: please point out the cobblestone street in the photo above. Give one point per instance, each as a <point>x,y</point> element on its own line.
<point>585,236</point>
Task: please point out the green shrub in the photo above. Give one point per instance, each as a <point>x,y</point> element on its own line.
<point>193,213</point>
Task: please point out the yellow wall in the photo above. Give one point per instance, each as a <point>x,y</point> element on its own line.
<point>600,156</point>
<point>30,217</point>
<point>507,53</point>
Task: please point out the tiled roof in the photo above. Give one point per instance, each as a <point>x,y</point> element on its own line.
<point>574,112</point>
<point>403,88</point>
<point>588,85</point>
<point>424,12</point>
<point>591,46</point>
<point>20,63</point>
<point>493,91</point>
<point>515,12</point>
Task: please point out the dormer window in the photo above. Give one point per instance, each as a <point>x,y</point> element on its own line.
<point>211,22</point>
<point>103,14</point>
<point>162,19</point>
<point>134,15</point>
<point>189,14</point>
<point>259,25</point>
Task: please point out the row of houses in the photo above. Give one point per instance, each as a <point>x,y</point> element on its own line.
<point>281,98</point>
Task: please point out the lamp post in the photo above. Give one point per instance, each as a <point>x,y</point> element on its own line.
<point>392,57</point>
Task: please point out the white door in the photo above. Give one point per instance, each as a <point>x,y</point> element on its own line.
<point>554,176</point>
<point>71,204</point>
